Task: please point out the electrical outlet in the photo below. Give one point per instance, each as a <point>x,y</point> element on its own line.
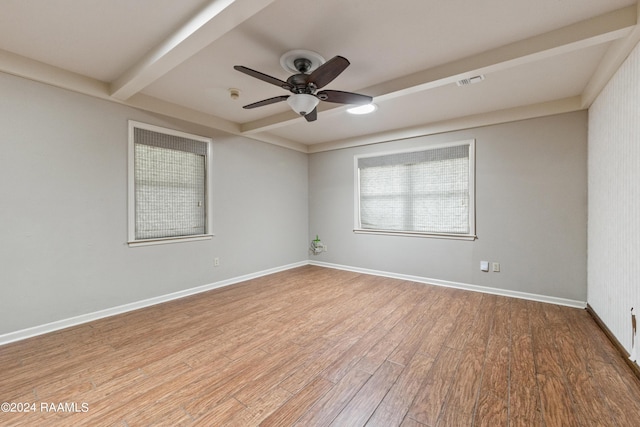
<point>495,267</point>
<point>216,262</point>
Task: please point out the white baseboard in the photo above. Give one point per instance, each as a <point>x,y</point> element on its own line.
<point>89,317</point>
<point>457,285</point>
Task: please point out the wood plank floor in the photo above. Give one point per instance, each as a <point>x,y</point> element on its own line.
<point>314,347</point>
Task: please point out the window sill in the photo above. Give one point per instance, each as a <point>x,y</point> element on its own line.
<point>416,234</point>
<point>165,240</point>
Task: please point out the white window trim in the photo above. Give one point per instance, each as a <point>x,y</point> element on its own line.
<point>131,202</point>
<point>472,189</point>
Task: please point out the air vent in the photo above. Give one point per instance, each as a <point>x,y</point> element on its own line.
<point>471,80</point>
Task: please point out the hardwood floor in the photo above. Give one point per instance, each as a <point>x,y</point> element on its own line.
<point>314,347</point>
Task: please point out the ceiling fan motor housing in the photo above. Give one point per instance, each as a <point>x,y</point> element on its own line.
<point>299,84</point>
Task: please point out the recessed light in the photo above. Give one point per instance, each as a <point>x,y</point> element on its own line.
<point>363,109</point>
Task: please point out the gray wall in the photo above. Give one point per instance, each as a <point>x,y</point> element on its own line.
<point>63,209</point>
<point>531,211</point>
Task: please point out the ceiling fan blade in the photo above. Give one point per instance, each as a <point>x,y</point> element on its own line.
<point>341,97</point>
<point>312,116</point>
<point>263,77</point>
<point>324,74</point>
<point>267,102</point>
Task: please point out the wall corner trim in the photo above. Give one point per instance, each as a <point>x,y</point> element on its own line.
<point>89,317</point>
<point>458,285</point>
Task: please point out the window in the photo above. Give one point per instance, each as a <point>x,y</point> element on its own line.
<point>168,198</point>
<point>423,192</point>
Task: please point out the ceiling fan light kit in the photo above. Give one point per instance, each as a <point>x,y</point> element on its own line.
<point>312,74</point>
<point>302,103</point>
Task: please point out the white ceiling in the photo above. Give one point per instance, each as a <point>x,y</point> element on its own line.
<point>177,57</point>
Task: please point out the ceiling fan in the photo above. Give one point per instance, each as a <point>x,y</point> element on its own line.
<point>312,74</point>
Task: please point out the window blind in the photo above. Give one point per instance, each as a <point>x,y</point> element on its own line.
<point>170,185</point>
<point>425,191</point>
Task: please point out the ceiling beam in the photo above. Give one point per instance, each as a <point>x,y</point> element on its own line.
<point>524,112</point>
<point>600,29</point>
<point>27,68</point>
<point>610,63</point>
<point>212,22</point>
<point>582,35</point>
<point>17,65</point>
<point>159,106</point>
